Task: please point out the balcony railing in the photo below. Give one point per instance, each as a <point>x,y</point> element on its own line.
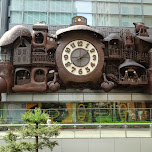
<point>93,130</point>
<point>42,58</point>
<point>115,53</point>
<point>142,80</point>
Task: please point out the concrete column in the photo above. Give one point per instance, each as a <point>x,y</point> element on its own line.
<point>74,117</point>
<point>4,5</point>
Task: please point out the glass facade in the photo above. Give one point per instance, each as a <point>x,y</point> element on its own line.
<point>91,112</point>
<point>98,12</point>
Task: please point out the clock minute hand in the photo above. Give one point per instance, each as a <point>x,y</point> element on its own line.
<point>82,55</point>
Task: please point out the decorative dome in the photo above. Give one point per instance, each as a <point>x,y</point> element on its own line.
<point>11,35</point>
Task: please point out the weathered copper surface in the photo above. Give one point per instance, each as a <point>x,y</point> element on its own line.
<point>7,76</point>
<point>41,62</point>
<point>43,46</point>
<point>107,85</point>
<point>112,36</point>
<point>141,29</point>
<point>113,46</point>
<point>132,73</point>
<point>78,28</point>
<point>22,53</point>
<point>36,82</point>
<point>54,85</point>
<point>3,85</point>
<point>68,78</point>
<point>129,62</point>
<point>150,72</point>
<point>11,35</point>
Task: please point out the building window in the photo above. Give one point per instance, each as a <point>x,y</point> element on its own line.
<point>60,6</point>
<point>107,20</point>
<point>133,1</point>
<point>34,17</point>
<point>59,18</point>
<point>147,9</point>
<point>16,17</point>
<point>16,5</point>
<point>127,21</point>
<point>147,1</point>
<point>148,21</point>
<point>84,7</point>
<point>35,5</point>
<point>107,8</point>
<point>134,9</point>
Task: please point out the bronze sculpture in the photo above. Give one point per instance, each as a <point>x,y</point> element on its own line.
<point>75,57</point>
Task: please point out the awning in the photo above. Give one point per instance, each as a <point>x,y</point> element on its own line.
<point>129,62</point>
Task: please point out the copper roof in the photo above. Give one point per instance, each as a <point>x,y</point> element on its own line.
<point>111,37</point>
<point>78,27</point>
<point>11,35</point>
<point>40,26</point>
<point>147,39</point>
<point>129,62</point>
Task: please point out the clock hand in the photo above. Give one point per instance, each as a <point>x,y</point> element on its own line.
<point>82,55</point>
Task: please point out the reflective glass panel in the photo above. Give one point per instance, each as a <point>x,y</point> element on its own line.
<point>127,21</point>
<point>60,18</point>
<point>34,17</point>
<point>147,1</point>
<point>134,1</point>
<point>16,4</point>
<point>16,17</point>
<point>35,5</point>
<point>60,6</point>
<point>131,9</point>
<point>109,0</point>
<point>107,8</point>
<point>84,6</point>
<point>147,9</point>
<point>107,20</point>
<point>148,21</point>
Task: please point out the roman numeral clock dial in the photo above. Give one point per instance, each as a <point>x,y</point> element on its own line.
<point>80,57</point>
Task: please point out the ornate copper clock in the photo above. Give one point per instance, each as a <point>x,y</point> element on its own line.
<point>79,58</point>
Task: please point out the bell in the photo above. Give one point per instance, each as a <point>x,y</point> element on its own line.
<point>107,85</point>
<point>54,86</point>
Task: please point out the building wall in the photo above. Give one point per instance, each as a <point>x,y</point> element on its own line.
<point>98,145</point>
<point>119,13</point>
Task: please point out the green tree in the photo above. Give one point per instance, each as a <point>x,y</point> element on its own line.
<point>42,134</point>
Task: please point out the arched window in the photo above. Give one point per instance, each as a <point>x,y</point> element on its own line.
<point>39,76</point>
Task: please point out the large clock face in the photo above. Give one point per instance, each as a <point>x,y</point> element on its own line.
<point>80,57</point>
